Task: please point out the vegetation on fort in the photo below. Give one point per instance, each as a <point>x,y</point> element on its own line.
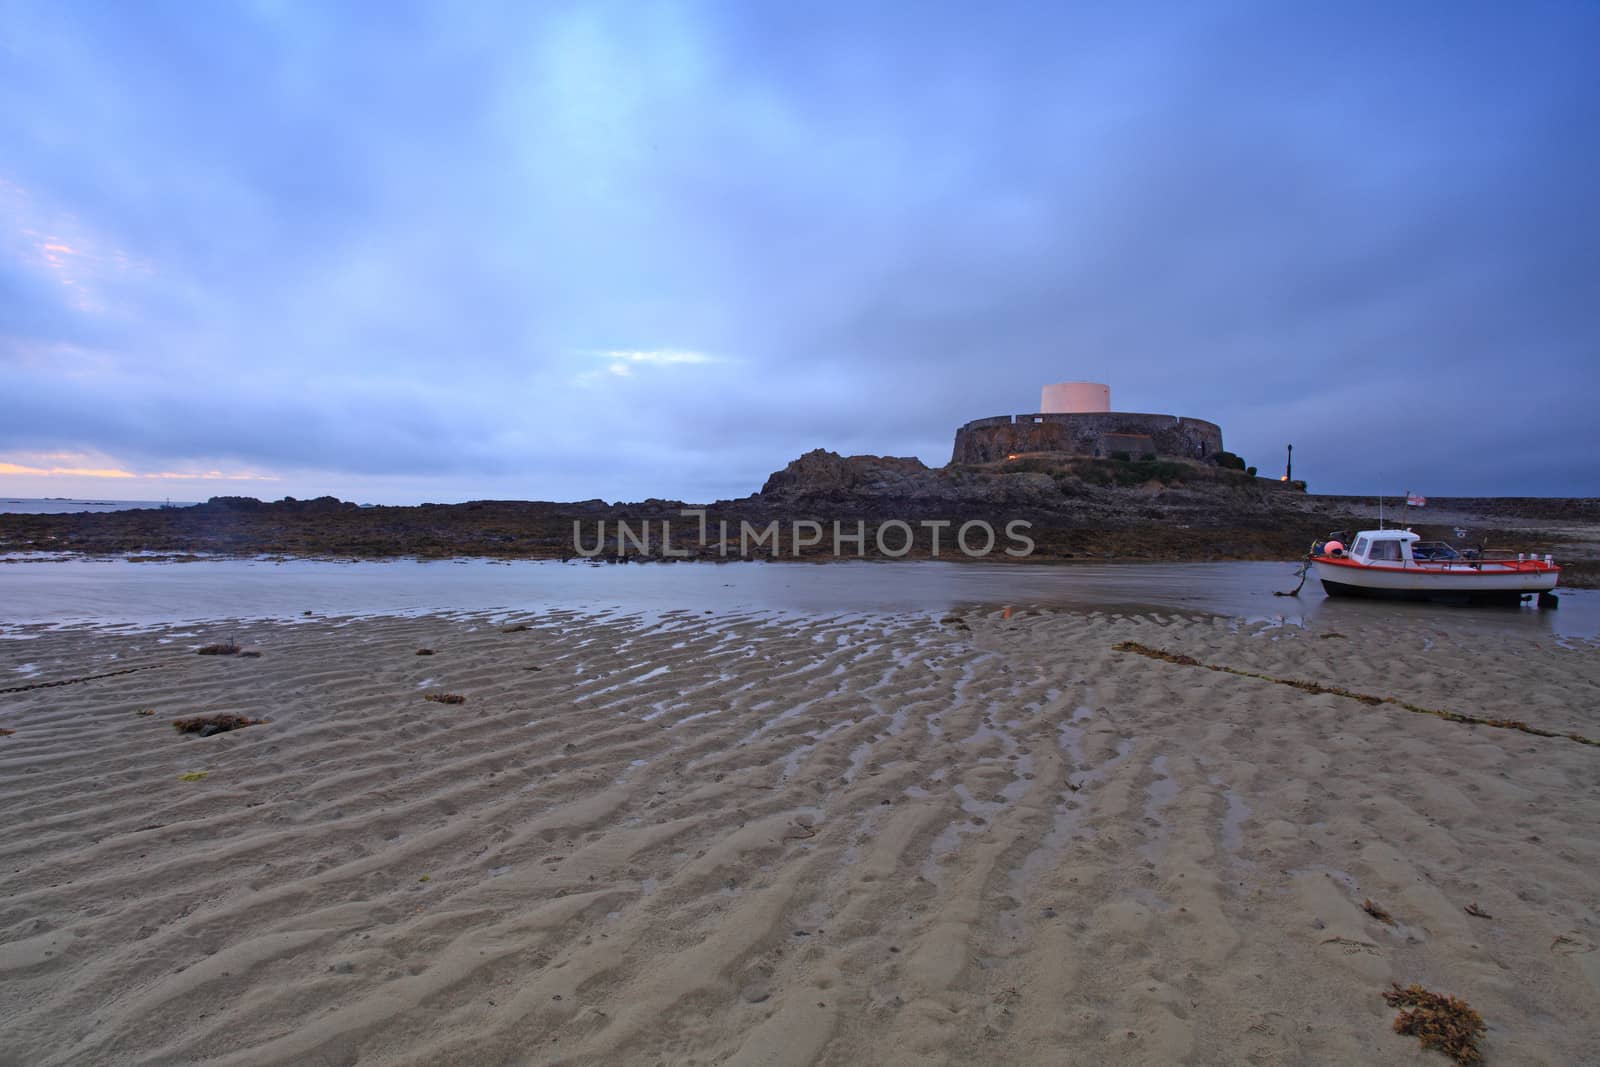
<point>1228,461</point>
<point>1125,471</point>
<point>1120,471</point>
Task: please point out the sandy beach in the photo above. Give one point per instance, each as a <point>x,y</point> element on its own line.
<point>696,838</point>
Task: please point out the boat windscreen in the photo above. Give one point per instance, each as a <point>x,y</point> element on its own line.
<point>1433,550</point>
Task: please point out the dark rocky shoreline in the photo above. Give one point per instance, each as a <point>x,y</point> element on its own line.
<point>1078,509</point>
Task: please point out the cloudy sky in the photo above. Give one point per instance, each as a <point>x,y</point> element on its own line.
<point>567,250</point>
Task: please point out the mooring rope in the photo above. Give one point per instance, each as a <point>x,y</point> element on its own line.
<point>1305,569</point>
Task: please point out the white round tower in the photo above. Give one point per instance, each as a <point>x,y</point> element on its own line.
<point>1072,398</point>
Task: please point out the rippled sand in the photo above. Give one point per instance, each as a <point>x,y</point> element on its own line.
<point>692,838</point>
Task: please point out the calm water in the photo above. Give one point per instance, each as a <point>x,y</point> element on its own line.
<point>117,591</point>
<point>58,506</point>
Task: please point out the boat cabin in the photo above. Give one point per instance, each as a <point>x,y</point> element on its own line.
<point>1399,548</point>
<point>1391,548</point>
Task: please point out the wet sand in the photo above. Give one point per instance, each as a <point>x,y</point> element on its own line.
<point>761,838</point>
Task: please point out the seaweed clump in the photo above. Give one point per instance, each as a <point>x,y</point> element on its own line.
<point>445,698</point>
<point>221,648</point>
<point>1445,1023</point>
<point>206,725</point>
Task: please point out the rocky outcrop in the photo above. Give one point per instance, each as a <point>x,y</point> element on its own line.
<point>890,485</point>
<point>1064,490</point>
<point>821,471</point>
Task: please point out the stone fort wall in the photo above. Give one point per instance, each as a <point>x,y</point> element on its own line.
<point>987,440</point>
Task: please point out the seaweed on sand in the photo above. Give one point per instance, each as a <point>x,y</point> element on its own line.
<point>1445,1023</point>
<point>206,725</point>
<point>82,678</point>
<point>445,698</point>
<point>230,647</point>
<point>1340,691</point>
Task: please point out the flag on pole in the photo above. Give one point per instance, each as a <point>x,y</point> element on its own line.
<point>1414,500</point>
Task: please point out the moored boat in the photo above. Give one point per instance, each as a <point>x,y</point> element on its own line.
<point>1398,564</point>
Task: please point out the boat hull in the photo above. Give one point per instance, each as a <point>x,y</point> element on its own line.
<point>1484,598</point>
<point>1455,585</point>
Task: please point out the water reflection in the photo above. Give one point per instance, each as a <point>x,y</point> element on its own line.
<point>115,590</point>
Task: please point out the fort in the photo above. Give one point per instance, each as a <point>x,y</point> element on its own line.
<point>1076,418</point>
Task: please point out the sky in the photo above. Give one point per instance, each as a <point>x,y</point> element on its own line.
<point>440,252</point>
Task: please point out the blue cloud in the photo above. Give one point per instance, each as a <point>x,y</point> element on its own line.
<point>377,257</point>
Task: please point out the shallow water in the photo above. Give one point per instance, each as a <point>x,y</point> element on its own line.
<point>117,591</point>
<point>64,506</point>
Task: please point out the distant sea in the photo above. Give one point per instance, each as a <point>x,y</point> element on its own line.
<point>56,505</point>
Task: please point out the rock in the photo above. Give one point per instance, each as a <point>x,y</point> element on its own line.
<point>822,470</point>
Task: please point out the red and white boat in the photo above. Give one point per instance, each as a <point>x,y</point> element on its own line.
<point>1398,564</point>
